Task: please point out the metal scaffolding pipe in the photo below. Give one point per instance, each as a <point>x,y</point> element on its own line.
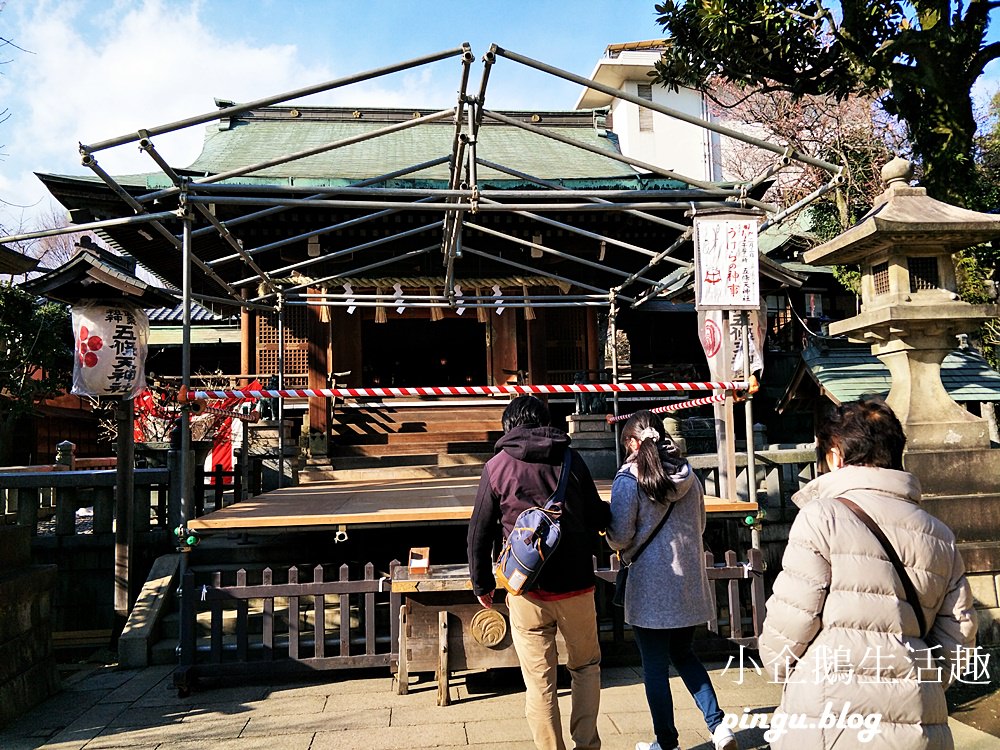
<point>480,207</point>
<point>103,224</point>
<point>591,235</point>
<point>321,296</point>
<point>389,301</point>
<point>238,109</point>
<point>618,93</point>
<point>833,184</point>
<point>601,152</point>
<point>147,145</point>
<point>557,192</point>
<point>557,253</point>
<point>201,299</point>
<point>684,237</point>
<point>546,274</point>
<point>89,161</point>
<point>315,233</point>
<point>281,188</point>
<point>362,269</point>
<point>349,250</point>
<point>556,186</point>
<point>305,153</point>
<point>281,386</point>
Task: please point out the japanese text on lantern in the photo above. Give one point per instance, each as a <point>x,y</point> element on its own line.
<point>123,344</point>
<point>726,264</point>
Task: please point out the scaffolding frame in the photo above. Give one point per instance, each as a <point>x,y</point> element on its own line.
<point>458,206</point>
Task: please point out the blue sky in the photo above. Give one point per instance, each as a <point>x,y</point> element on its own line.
<point>98,68</point>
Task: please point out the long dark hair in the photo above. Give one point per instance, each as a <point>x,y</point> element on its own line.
<point>653,477</point>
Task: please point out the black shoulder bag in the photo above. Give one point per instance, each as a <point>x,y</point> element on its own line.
<point>908,587</point>
<point>622,578</point>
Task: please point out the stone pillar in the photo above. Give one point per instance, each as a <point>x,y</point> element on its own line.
<point>594,439</point>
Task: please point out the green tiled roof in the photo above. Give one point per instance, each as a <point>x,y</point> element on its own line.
<point>847,371</point>
<point>251,142</point>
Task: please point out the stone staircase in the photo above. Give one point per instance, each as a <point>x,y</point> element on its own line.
<point>393,441</point>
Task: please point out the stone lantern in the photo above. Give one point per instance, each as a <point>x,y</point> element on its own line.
<point>911,316</point>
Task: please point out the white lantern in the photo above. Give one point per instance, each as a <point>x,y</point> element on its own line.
<point>110,356</point>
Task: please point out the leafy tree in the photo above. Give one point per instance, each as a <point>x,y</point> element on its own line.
<point>36,357</point>
<point>921,57</point>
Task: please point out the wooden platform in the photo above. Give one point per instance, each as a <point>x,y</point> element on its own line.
<point>376,503</point>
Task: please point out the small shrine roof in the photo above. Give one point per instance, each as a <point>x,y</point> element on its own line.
<point>87,275</point>
<point>844,371</point>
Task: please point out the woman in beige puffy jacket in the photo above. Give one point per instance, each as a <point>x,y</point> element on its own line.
<point>839,632</point>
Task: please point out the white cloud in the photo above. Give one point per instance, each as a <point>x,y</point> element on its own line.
<point>95,77</point>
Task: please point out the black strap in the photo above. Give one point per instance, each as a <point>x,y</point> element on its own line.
<point>556,497</point>
<point>650,537</point>
<point>908,587</point>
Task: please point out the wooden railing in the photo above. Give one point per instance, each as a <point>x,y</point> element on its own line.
<point>33,495</point>
<point>780,473</point>
<point>30,497</point>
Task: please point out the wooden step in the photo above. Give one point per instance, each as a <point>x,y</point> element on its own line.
<point>361,461</point>
<point>429,449</point>
<point>388,473</point>
<point>419,438</point>
<point>430,428</point>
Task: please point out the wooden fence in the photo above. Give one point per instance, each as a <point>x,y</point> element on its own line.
<point>267,626</point>
<point>285,626</point>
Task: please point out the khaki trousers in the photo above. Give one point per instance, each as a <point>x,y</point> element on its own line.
<point>533,631</point>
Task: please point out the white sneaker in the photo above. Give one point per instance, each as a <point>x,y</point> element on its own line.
<point>652,746</point>
<point>724,739</point>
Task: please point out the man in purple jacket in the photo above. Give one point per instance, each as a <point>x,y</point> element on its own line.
<point>523,474</point>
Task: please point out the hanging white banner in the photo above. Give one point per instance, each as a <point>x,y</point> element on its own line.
<point>726,264</point>
<point>110,355</point>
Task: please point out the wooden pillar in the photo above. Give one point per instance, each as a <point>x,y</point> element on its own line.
<point>503,349</point>
<point>248,361</point>
<point>319,369</point>
<point>126,586</point>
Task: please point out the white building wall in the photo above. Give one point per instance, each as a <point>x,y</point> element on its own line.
<point>682,147</point>
<point>674,144</point>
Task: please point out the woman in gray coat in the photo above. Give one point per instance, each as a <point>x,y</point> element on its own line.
<point>667,593</point>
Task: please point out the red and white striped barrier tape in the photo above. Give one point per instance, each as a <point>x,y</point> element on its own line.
<point>716,399</point>
<point>472,390</point>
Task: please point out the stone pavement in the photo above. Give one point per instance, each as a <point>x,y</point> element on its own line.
<point>111,708</point>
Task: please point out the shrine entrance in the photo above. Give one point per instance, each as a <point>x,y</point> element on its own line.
<point>422,352</point>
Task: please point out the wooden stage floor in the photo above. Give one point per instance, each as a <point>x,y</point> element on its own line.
<point>375,503</point>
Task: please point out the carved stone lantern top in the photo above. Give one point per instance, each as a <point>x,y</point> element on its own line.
<point>906,218</point>
<point>910,308</point>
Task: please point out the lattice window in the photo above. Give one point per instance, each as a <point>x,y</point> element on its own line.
<point>880,276</point>
<point>566,343</point>
<point>923,273</point>
<point>645,91</point>
<point>296,342</point>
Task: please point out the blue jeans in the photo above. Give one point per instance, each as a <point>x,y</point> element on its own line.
<point>658,649</point>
